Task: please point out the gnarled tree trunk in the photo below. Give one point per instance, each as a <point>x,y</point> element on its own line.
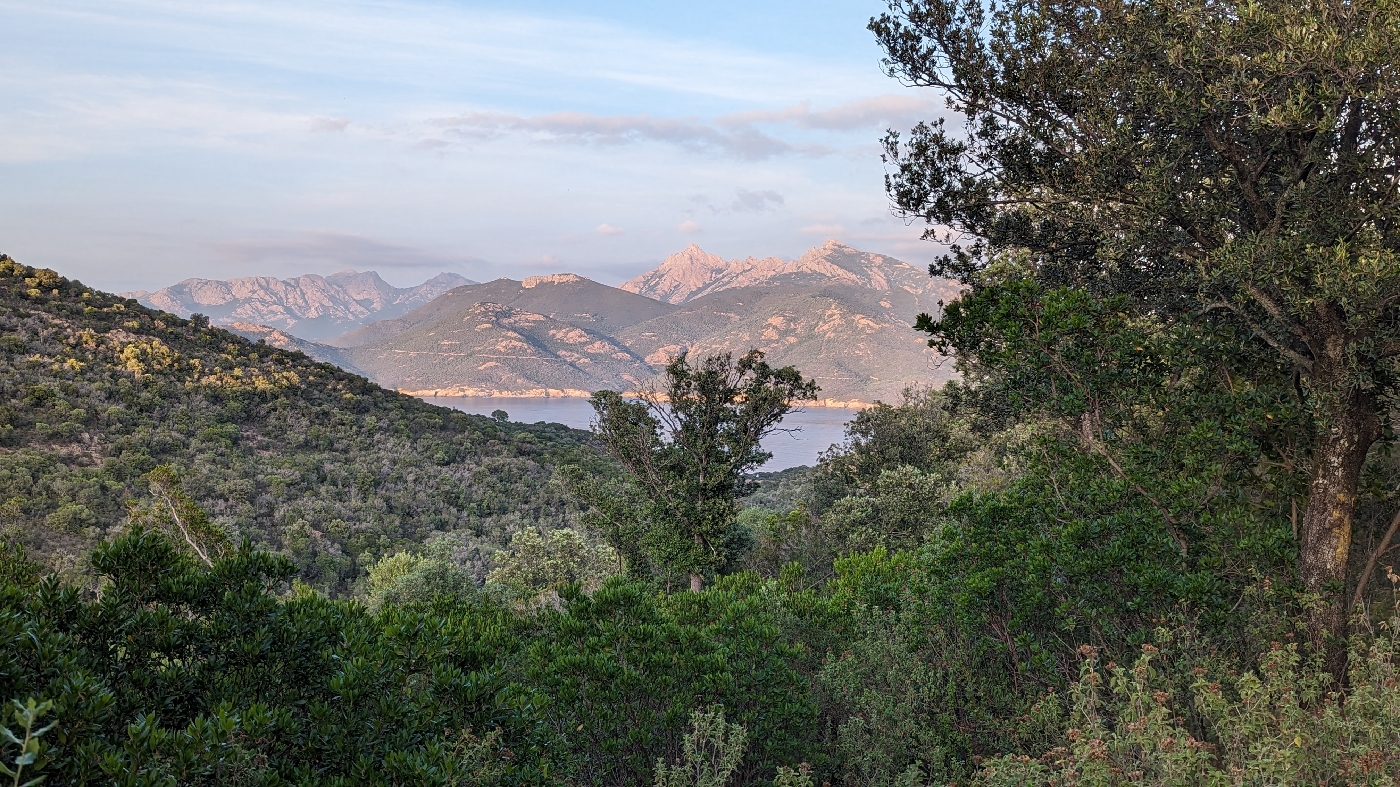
<point>1349,428</point>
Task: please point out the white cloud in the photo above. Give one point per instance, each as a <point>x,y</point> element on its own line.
<point>333,249</point>
<point>608,229</point>
<point>688,226</point>
<point>898,109</point>
<point>323,125</point>
<point>756,201</point>
<point>582,127</point>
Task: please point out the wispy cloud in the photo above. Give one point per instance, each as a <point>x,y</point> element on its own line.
<point>393,40</point>
<point>333,249</point>
<point>892,109</point>
<point>404,130</point>
<point>324,125</point>
<point>756,201</point>
<point>608,229</point>
<point>734,134</point>
<point>582,127</point>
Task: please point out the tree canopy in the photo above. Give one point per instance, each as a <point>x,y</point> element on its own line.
<point>687,450</point>
<point>1227,167</point>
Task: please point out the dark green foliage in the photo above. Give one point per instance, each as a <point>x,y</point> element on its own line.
<point>203,675</point>
<point>686,451</point>
<point>15,566</point>
<point>923,432</point>
<point>992,530</point>
<point>1222,170</point>
<point>97,391</point>
<point>882,487</point>
<point>200,675</point>
<point>624,668</point>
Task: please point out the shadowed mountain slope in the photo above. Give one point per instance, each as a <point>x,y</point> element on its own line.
<point>285,341</point>
<point>563,296</point>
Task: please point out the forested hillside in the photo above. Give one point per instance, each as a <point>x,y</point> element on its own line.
<point>303,458</point>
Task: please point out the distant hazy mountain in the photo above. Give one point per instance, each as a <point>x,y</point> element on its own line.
<point>838,314</point>
<point>695,273</point>
<point>308,307</point>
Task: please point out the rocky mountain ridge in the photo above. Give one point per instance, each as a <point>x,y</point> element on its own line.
<point>840,315</point>
<point>310,307</point>
<point>693,273</point>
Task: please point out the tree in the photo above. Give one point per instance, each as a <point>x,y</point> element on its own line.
<point>1226,164</point>
<point>172,511</point>
<point>687,450</point>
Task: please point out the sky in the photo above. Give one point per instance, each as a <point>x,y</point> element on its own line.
<point>149,141</point>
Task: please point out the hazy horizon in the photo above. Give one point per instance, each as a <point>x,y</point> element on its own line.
<point>154,141</point>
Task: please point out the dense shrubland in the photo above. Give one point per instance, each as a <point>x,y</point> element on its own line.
<point>946,597</point>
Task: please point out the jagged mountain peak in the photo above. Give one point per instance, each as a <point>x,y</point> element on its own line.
<point>694,272</point>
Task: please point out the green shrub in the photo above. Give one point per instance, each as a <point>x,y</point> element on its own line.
<point>1278,724</point>
<point>533,565</point>
<point>710,752</point>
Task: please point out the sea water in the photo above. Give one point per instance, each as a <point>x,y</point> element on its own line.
<point>808,431</point>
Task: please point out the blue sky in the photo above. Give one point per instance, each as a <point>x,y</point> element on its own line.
<point>148,141</point>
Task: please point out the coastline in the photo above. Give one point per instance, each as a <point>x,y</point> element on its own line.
<point>575,393</point>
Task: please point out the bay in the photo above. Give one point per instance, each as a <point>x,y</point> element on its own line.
<point>807,432</point>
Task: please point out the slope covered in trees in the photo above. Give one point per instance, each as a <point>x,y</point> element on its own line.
<point>303,458</point>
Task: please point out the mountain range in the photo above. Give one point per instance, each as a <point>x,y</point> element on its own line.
<point>840,315</point>
<point>310,307</point>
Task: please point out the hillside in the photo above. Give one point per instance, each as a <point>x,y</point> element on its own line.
<point>574,299</point>
<point>838,314</point>
<point>286,341</point>
<point>311,306</point>
<point>856,344</point>
<point>300,456</point>
<point>488,349</point>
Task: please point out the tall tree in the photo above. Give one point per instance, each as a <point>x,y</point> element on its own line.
<point>1229,162</point>
<point>687,450</point>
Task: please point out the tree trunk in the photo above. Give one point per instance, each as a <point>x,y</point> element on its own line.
<point>1350,426</point>
<point>697,581</point>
